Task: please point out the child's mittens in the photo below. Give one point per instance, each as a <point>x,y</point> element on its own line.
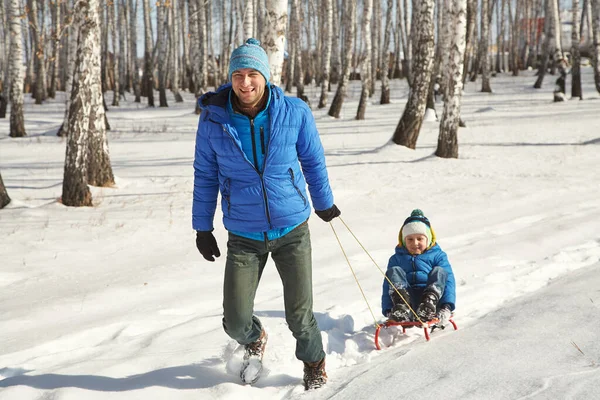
<point>443,315</point>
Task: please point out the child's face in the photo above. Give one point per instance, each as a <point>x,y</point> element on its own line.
<point>416,243</point>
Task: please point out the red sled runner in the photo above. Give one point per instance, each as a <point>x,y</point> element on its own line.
<point>406,324</point>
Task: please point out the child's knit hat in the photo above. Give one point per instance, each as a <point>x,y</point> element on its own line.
<point>250,55</point>
<point>417,223</point>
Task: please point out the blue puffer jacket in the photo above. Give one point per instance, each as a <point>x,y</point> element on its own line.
<point>252,201</point>
<point>417,268</point>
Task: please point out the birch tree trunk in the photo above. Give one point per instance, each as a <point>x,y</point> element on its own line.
<point>485,40</point>
<point>4,44</point>
<point>122,28</point>
<point>456,16</point>
<point>202,32</point>
<point>148,80</point>
<point>385,61</point>
<point>115,59</point>
<point>17,122</point>
<point>4,199</point>
<point>55,49</point>
<point>133,58</point>
<point>471,39</point>
<point>174,34</point>
<point>86,117</point>
<point>407,131</point>
<point>327,42</point>
<point>576,57</point>
<point>72,36</point>
<point>161,48</point>
<point>548,31</point>
<point>274,37</point>
<point>299,64</point>
<point>596,49</point>
<point>366,62</point>
<point>349,26</point>
<point>376,18</point>
<point>248,20</point>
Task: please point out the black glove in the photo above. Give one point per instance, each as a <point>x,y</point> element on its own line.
<point>329,214</point>
<point>207,245</point>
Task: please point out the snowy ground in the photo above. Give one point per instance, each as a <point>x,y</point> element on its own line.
<point>114,301</point>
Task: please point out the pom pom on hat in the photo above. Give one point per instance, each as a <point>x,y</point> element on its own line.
<point>250,55</point>
<point>417,223</point>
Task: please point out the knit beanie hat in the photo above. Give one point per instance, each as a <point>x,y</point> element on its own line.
<point>250,55</point>
<point>417,223</point>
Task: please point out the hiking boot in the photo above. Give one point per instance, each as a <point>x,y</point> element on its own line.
<point>253,355</point>
<point>400,313</point>
<point>314,374</point>
<point>428,306</point>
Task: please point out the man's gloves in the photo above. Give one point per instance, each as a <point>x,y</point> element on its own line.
<point>443,315</point>
<point>329,214</point>
<point>207,245</point>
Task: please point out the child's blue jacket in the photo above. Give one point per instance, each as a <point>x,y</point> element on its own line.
<point>417,268</point>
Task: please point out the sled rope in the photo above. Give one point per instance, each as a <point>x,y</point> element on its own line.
<point>354,274</point>
<point>378,267</point>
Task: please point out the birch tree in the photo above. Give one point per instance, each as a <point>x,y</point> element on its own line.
<point>407,131</point>
<point>483,48</point>
<point>456,27</point>
<point>4,199</point>
<point>385,61</point>
<point>326,60</point>
<point>349,26</point>
<point>161,48</point>
<point>148,80</point>
<point>596,47</point>
<point>174,35</point>
<point>72,36</point>
<point>366,63</point>
<point>274,37</point>
<point>576,57</point>
<point>86,160</point>
<point>17,122</point>
<point>115,59</point>
<point>56,33</point>
<point>248,20</point>
<point>4,44</point>
<point>133,59</point>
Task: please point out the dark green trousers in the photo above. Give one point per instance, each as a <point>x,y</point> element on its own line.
<point>246,259</point>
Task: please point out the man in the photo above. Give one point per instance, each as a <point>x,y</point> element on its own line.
<point>260,149</point>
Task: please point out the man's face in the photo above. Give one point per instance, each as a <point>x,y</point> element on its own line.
<point>248,85</point>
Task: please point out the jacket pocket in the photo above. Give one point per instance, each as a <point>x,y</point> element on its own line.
<point>226,194</point>
<point>291,172</point>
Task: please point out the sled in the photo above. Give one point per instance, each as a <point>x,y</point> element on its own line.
<point>427,327</point>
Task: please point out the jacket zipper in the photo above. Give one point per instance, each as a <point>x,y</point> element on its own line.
<point>260,175</point>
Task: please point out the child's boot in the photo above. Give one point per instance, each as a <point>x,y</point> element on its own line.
<point>401,311</point>
<point>428,306</point>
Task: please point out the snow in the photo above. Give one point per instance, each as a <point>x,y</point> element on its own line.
<point>114,301</point>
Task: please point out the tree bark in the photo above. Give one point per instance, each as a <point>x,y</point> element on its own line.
<point>385,62</point>
<point>86,116</point>
<point>133,58</point>
<point>4,199</point>
<point>327,42</point>
<point>349,26</point>
<point>407,131</point>
<point>148,79</point>
<point>17,122</point>
<point>161,48</point>
<point>456,15</point>
<point>576,57</point>
<point>274,37</point>
<point>366,63</point>
<point>596,48</point>
<point>485,39</point>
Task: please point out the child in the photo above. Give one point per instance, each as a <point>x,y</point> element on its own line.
<point>419,270</point>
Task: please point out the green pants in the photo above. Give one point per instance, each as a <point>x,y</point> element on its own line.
<point>246,259</point>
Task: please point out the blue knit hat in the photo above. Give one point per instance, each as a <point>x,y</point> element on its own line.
<point>250,55</point>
